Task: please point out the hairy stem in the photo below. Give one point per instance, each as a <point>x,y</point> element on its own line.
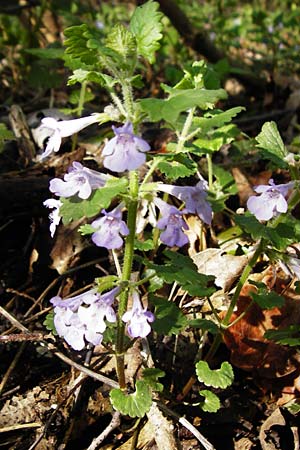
<point>126,273</point>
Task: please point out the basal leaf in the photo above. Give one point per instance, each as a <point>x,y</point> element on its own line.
<point>219,378</point>
<point>74,208</point>
<point>49,323</point>
<point>168,317</point>
<point>133,405</point>
<point>270,141</point>
<point>146,26</point>
<point>184,99</point>
<point>211,403</point>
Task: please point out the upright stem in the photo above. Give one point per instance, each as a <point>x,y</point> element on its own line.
<point>184,133</point>
<point>81,98</point>
<point>126,273</point>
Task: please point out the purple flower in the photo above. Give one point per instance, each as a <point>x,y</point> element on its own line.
<point>83,317</point>
<point>54,215</point>
<point>271,202</point>
<point>63,128</point>
<point>109,229</point>
<point>79,179</point>
<point>194,198</point>
<point>138,318</point>
<point>125,151</point>
<point>172,223</point>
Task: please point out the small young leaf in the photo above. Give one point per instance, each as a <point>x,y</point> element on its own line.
<point>145,246</point>
<point>122,41</point>
<point>133,405</point>
<point>168,317</point>
<point>211,403</point>
<point>49,323</point>
<point>219,378</point>
<point>5,135</point>
<point>146,26</point>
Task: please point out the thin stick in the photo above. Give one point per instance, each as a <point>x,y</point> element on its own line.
<point>113,424</point>
<point>20,426</point>
<point>12,366</point>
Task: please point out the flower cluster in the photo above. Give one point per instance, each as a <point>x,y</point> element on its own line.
<point>82,318</point>
<point>271,200</point>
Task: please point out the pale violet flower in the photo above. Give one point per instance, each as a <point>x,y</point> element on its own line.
<point>79,180</point>
<point>54,215</point>
<point>271,200</point>
<point>82,318</point>
<point>125,151</point>
<point>63,128</point>
<point>194,198</point>
<point>138,318</point>
<point>172,223</point>
<point>110,228</point>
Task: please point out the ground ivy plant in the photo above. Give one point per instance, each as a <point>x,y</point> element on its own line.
<point>135,217</point>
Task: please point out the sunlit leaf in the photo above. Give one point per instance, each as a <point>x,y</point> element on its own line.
<point>219,378</point>
<point>133,405</point>
<point>211,403</point>
<point>270,141</point>
<point>146,26</point>
<point>178,166</point>
<point>151,377</point>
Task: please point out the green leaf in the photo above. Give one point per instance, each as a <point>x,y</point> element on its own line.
<point>122,41</point>
<point>168,317</point>
<point>277,236</point>
<point>216,119</point>
<point>77,44</point>
<point>178,166</point>
<point>151,376</point>
<point>5,135</point>
<point>81,75</point>
<point>133,405</point>
<point>264,298</point>
<point>181,269</point>
<point>49,323</point>
<point>205,325</point>
<point>74,208</point>
<point>46,53</point>
<point>180,100</point>
<point>269,139</point>
<point>211,403</point>
<point>146,26</point>
<point>289,336</point>
<point>144,246</point>
<point>219,378</point>
<point>106,283</point>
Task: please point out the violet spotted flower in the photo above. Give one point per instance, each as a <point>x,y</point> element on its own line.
<point>63,128</point>
<point>125,151</point>
<point>82,318</point>
<point>138,318</point>
<point>172,223</point>
<point>79,180</point>
<point>271,202</point>
<point>54,215</point>
<point>194,198</point>
<point>110,228</point>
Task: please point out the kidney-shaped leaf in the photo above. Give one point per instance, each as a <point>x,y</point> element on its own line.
<point>133,405</point>
<point>219,378</point>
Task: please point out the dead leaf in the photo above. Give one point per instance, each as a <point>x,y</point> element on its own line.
<point>276,431</point>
